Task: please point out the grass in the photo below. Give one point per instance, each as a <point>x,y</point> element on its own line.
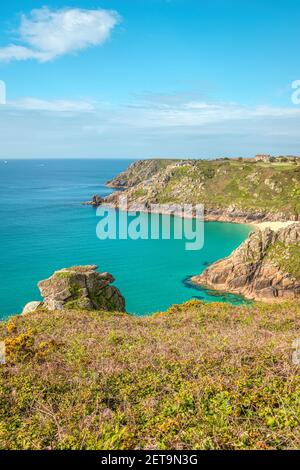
<point>252,187</point>
<point>287,257</point>
<point>196,377</point>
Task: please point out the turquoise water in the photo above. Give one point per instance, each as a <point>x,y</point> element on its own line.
<point>44,227</point>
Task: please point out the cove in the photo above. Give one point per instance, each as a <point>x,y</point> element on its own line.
<point>44,227</point>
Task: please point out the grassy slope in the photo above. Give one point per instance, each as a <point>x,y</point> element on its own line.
<point>249,186</point>
<point>199,376</point>
<point>286,257</point>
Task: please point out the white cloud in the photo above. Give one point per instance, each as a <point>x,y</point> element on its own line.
<point>13,52</point>
<point>170,111</point>
<point>169,126</point>
<point>46,34</point>
<point>57,106</point>
<point>164,114</point>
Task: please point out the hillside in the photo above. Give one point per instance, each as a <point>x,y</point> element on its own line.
<point>231,190</point>
<point>196,377</point>
<point>139,171</point>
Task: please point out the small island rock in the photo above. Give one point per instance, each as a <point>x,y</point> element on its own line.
<point>96,201</point>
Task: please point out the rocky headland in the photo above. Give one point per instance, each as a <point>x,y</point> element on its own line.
<point>231,190</point>
<point>265,267</point>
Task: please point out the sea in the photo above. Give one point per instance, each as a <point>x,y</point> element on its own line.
<point>44,227</point>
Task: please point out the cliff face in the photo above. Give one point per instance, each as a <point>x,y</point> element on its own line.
<point>231,190</point>
<point>266,266</point>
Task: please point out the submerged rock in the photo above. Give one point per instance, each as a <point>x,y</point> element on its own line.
<point>80,287</point>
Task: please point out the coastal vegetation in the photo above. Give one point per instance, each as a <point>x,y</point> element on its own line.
<point>237,189</point>
<point>199,376</point>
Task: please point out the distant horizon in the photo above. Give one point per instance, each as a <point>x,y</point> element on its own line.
<point>145,158</point>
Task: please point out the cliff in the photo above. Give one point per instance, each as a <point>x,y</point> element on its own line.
<point>266,266</point>
<point>231,190</point>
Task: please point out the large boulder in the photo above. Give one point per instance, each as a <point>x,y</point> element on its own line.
<point>80,287</point>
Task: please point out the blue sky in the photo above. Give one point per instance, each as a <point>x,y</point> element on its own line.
<point>144,78</point>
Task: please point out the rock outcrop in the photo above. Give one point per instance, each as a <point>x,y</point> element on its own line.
<point>31,307</point>
<point>265,267</point>
<point>138,172</point>
<point>96,201</point>
<point>78,287</point>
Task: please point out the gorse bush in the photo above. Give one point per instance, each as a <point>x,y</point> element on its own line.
<point>196,377</point>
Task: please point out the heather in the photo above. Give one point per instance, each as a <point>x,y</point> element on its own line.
<point>195,377</point>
